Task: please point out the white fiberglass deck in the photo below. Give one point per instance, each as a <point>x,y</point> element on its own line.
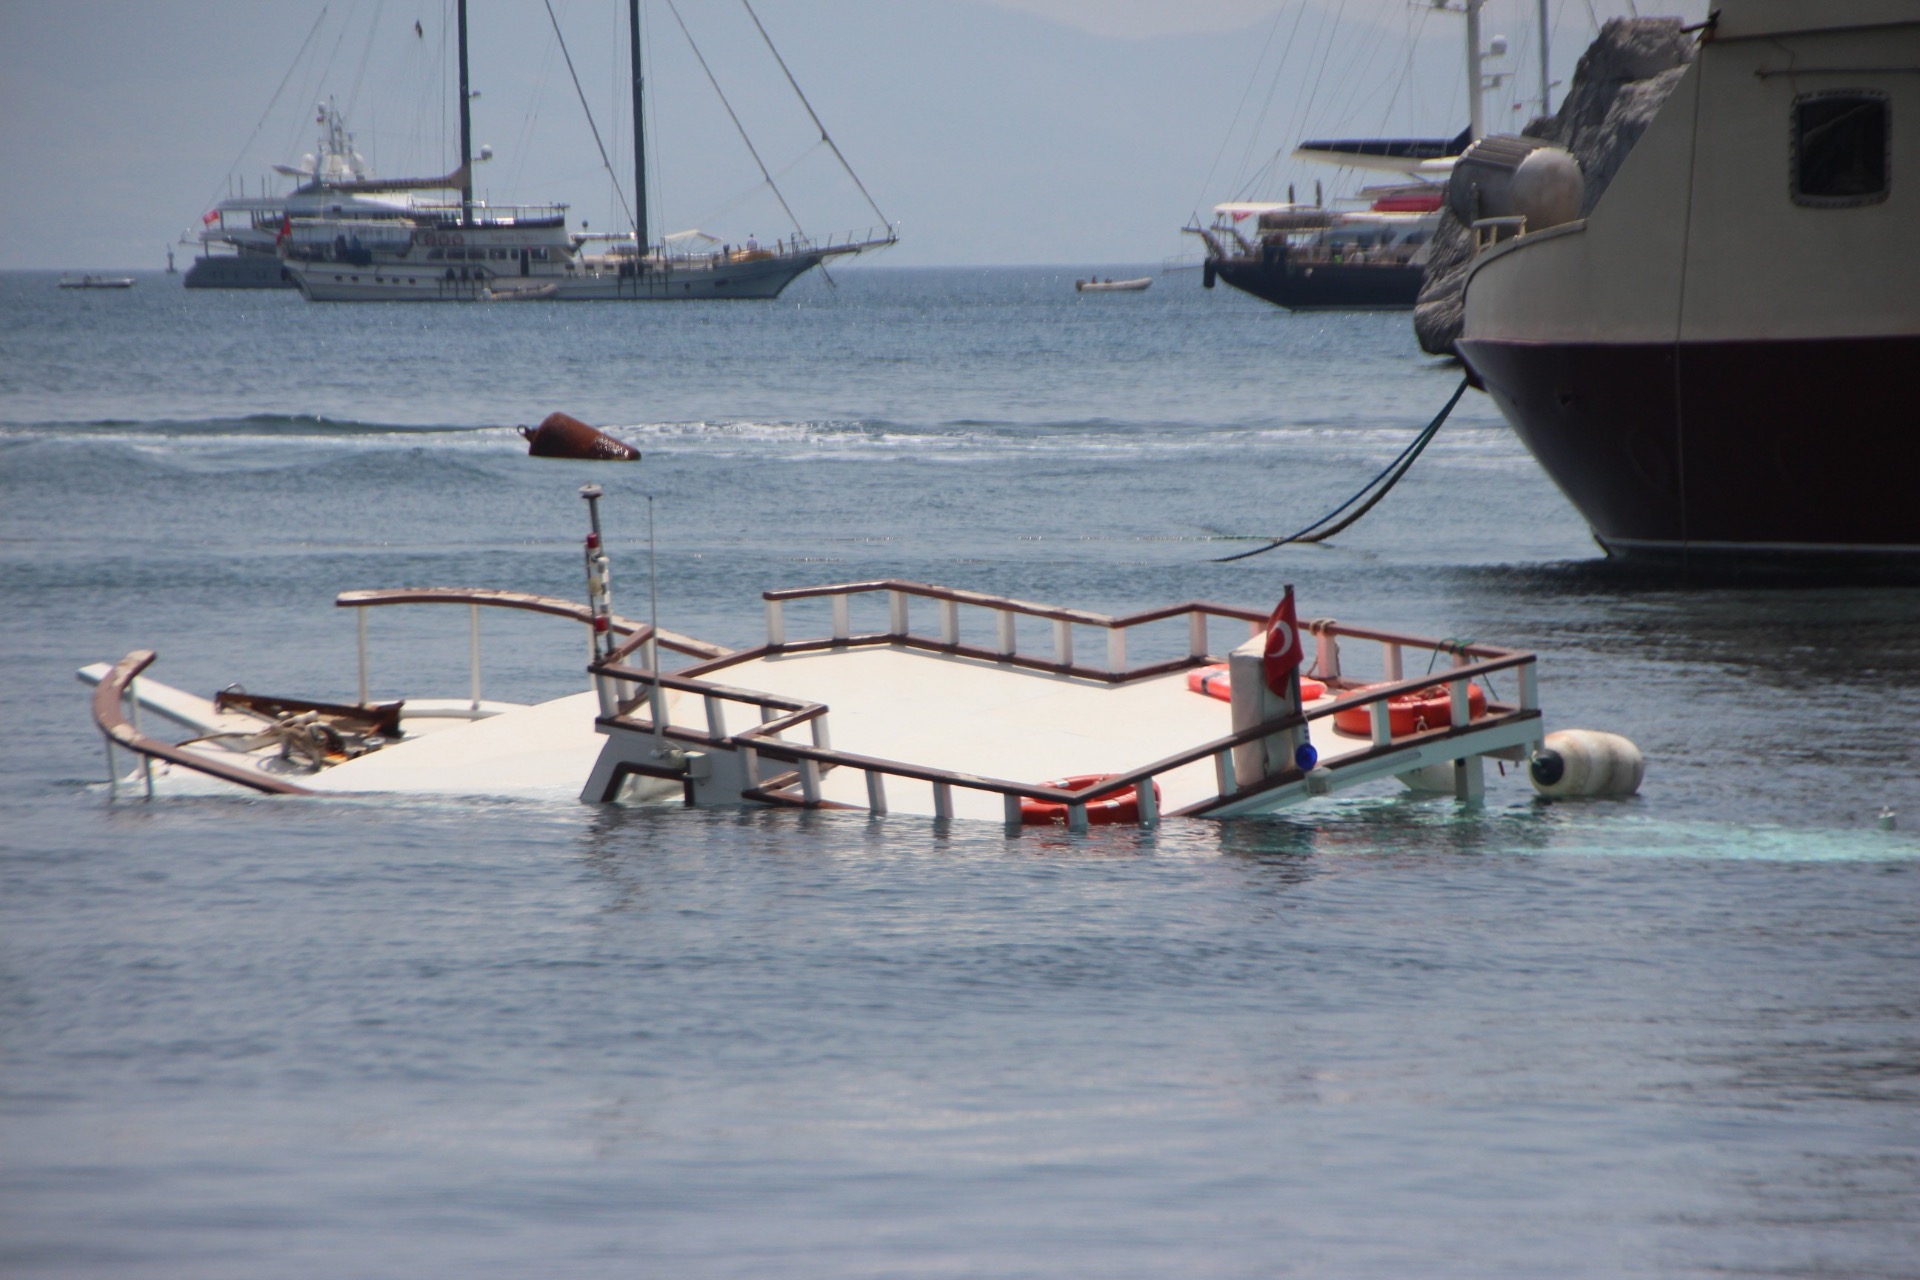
<point>969,715</point>
<point>541,750</point>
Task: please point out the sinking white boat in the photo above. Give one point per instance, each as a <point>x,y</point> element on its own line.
<point>907,698</point>
<point>1113,286</point>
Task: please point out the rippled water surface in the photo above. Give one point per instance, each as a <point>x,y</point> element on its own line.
<point>1375,1036</point>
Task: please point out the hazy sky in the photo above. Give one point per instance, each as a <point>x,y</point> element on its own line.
<point>991,131</point>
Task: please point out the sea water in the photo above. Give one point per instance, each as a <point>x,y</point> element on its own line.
<point>1377,1036</point>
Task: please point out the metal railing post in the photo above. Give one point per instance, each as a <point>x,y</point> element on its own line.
<point>473,651</point>
<point>1063,642</point>
<point>897,612</point>
<point>943,801</point>
<point>1148,801</point>
<point>1196,634</point>
<point>1003,632</point>
<point>841,626</point>
<point>949,622</point>
<point>1223,779</point>
<point>1117,650</point>
<point>876,793</point>
<point>360,616</point>
<point>776,624</point>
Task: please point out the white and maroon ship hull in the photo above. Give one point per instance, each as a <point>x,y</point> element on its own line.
<point>1718,362</point>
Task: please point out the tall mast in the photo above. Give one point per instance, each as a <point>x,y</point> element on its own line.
<point>1476,113</point>
<point>639,136</point>
<point>1546,85</point>
<point>466,127</point>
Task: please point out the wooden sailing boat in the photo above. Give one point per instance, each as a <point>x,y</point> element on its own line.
<point>482,252</point>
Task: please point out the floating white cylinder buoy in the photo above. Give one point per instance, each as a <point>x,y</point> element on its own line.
<point>1586,762</point>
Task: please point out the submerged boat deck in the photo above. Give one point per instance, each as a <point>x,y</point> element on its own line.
<point>895,720</point>
<point>961,721</point>
<point>971,715</point>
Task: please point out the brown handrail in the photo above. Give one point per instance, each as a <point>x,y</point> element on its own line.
<point>1026,608</point>
<point>761,737</point>
<point>107,699</point>
<point>487,597</point>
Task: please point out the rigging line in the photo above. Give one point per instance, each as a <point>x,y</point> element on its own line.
<point>1415,29</point>
<point>811,112</point>
<point>674,9</point>
<point>261,123</point>
<point>366,52</point>
<point>1403,464</point>
<point>1240,110</point>
<point>1266,105</point>
<point>1358,87</point>
<point>1313,94</point>
<point>608,164</point>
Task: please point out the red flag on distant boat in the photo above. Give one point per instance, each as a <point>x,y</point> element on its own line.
<point>210,217</point>
<point>1284,652</point>
<point>286,228</point>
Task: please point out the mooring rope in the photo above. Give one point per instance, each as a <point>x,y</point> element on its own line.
<point>1320,530</point>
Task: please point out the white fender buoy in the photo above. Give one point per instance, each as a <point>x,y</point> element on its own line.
<point>1586,762</point>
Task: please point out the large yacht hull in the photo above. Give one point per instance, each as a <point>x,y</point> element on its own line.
<point>1715,364</point>
<point>757,279</point>
<point>1323,286</point>
<point>237,271</point>
<point>1709,450</point>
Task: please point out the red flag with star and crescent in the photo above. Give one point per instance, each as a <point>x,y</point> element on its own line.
<point>1284,652</point>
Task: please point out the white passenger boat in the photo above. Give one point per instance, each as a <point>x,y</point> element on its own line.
<point>905,698</point>
<point>97,282</point>
<point>1734,321</point>
<point>1111,285</point>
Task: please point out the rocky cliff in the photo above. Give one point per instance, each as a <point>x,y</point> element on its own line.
<point>1622,79</point>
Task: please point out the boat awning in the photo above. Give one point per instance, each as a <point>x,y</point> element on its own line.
<point>1238,209</point>
<point>689,236</point>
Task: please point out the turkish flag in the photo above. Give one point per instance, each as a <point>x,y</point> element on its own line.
<point>1284,652</point>
<point>210,217</point>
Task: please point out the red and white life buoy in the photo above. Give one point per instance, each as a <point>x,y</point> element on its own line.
<point>1413,712</point>
<point>1118,805</point>
<point>1215,683</point>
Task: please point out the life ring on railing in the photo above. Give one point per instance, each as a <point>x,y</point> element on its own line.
<point>1412,712</point>
<point>1120,805</point>
<point>1215,683</point>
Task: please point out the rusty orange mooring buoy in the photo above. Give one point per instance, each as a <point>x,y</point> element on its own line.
<point>562,436</point>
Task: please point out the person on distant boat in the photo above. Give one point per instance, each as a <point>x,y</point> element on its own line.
<point>753,244</point>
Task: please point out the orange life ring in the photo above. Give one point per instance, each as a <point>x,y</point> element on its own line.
<point>1412,712</point>
<point>1120,805</point>
<point>1215,683</point>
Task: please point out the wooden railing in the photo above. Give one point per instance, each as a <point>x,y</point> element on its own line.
<point>110,699</point>
<point>1005,610</point>
<point>776,715</point>
<point>478,598</point>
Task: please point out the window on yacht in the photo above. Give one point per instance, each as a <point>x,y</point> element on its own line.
<point>1840,142</point>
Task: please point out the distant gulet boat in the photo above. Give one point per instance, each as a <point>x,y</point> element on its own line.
<point>478,252</point>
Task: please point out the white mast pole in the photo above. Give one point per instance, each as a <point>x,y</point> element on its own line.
<point>1546,85</point>
<point>1476,111</point>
